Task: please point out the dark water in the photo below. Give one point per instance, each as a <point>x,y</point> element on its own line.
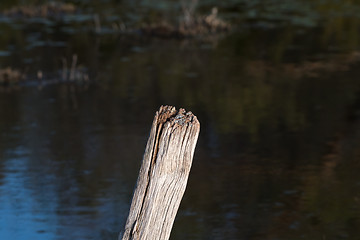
<point>278,100</point>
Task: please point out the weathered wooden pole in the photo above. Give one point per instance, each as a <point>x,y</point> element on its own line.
<point>163,175</point>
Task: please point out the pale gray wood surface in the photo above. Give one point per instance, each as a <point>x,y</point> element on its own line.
<point>163,175</point>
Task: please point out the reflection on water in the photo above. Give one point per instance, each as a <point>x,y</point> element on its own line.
<point>279,106</point>
<point>53,181</point>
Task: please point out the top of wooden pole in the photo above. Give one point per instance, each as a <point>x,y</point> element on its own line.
<point>181,117</point>
<point>163,175</point>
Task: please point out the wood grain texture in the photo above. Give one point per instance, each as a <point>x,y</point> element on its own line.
<point>163,175</point>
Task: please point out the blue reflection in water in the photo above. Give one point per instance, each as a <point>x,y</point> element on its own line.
<point>22,214</point>
<point>37,204</point>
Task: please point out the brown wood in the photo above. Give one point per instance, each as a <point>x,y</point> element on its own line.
<point>163,175</point>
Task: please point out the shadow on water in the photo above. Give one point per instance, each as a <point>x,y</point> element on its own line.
<point>278,98</point>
